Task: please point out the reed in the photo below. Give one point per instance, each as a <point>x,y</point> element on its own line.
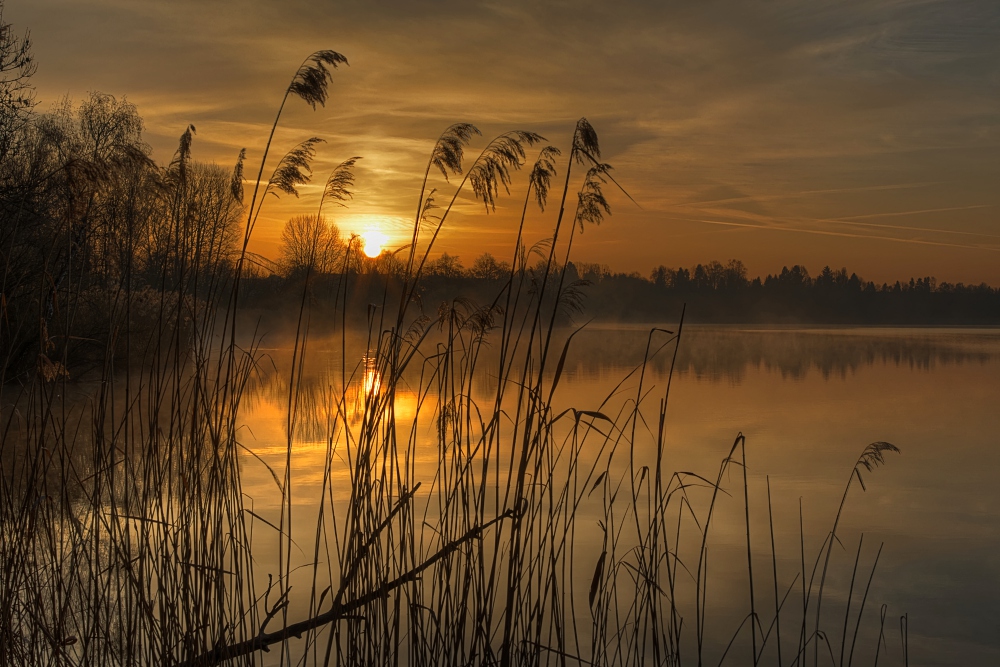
<point>447,534</point>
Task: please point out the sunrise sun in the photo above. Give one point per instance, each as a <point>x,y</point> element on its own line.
<point>372,242</point>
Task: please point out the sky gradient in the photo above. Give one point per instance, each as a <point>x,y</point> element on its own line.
<point>862,134</point>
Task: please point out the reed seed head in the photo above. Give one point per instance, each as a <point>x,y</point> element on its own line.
<point>236,185</point>
<point>342,178</point>
<point>492,170</point>
<point>182,156</point>
<point>313,78</point>
<point>542,173</point>
<point>585,143</point>
<point>593,205</point>
<point>450,148</point>
<point>294,168</point>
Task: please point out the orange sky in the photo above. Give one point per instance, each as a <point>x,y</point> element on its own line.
<point>859,134</point>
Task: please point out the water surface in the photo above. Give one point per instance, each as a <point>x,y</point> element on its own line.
<point>808,401</point>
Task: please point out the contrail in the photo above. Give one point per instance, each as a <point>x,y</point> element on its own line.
<point>930,230</point>
<point>845,234</point>
<point>916,212</point>
<point>806,193</point>
<point>853,220</point>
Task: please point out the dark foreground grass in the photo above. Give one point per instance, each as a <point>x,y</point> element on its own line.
<point>126,537</point>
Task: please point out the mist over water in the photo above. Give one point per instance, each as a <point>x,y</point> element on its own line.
<point>808,401</point>
<point>729,353</point>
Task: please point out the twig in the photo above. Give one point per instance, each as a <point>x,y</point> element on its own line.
<point>339,610</point>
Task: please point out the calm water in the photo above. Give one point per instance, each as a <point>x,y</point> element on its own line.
<point>808,401</point>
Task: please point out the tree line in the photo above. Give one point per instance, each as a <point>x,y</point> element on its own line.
<point>717,292</point>
<point>711,292</point>
<point>99,244</point>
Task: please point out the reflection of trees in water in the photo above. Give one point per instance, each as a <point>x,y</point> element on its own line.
<point>23,435</point>
<point>718,354</point>
<point>90,433</point>
<point>317,394</point>
<point>712,354</point>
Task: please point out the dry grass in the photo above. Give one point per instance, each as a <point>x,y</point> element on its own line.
<point>126,538</point>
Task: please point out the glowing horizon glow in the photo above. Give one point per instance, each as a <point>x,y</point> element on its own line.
<point>372,241</point>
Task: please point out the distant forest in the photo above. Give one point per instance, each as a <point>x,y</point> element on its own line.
<point>712,292</point>
<point>717,292</point>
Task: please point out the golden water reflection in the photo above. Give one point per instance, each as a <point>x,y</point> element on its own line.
<point>808,401</point>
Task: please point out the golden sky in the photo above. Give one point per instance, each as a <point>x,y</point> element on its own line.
<point>863,134</point>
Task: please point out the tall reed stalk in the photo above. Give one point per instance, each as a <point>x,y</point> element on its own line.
<point>457,531</point>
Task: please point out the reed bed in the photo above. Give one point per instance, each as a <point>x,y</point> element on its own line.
<point>445,534</point>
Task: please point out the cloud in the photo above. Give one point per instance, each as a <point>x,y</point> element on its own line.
<point>812,109</point>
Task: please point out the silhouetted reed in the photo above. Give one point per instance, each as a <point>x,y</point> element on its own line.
<point>126,536</point>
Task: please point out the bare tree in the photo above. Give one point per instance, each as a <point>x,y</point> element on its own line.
<point>449,266</point>
<point>17,97</point>
<point>487,267</point>
<point>309,242</point>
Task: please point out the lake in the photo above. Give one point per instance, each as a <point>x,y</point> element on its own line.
<point>808,401</point>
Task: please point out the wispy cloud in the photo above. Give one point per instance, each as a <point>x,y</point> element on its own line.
<point>812,116</point>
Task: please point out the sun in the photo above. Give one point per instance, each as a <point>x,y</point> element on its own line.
<point>372,241</point>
